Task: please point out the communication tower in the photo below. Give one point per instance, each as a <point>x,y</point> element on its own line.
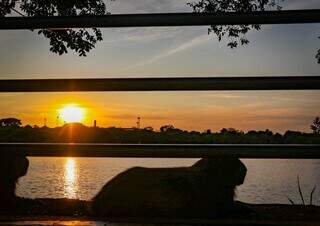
<point>138,122</point>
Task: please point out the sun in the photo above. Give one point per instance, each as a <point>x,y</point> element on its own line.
<point>72,113</point>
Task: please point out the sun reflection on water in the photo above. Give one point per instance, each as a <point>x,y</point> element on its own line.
<point>70,178</point>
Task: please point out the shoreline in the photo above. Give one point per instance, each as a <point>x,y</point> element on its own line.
<point>76,212</point>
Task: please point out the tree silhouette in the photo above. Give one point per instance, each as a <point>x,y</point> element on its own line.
<point>235,33</point>
<point>149,128</point>
<point>6,6</point>
<point>83,40</point>
<point>315,127</point>
<point>79,40</point>
<point>10,122</point>
<point>11,131</point>
<point>166,128</point>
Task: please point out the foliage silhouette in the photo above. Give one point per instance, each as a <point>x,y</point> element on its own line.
<point>79,40</point>
<point>83,40</point>
<point>10,122</point>
<point>235,33</point>
<point>167,128</point>
<point>315,127</point>
<point>76,132</point>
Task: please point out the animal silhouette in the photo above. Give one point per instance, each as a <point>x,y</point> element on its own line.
<point>12,167</point>
<point>205,189</point>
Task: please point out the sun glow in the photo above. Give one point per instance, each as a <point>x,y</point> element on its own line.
<point>72,113</point>
<point>70,178</point>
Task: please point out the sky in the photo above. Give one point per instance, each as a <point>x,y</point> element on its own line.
<point>276,50</point>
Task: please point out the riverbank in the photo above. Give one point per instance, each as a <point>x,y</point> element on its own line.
<point>76,212</point>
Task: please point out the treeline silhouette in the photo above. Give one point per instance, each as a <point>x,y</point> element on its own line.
<point>12,131</point>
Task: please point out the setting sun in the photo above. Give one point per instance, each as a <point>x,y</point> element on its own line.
<point>72,113</point>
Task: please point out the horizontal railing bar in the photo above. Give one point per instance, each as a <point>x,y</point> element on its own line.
<point>162,19</point>
<point>162,84</point>
<point>278,151</point>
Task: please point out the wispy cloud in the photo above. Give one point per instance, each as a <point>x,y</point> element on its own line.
<point>169,52</point>
<point>142,34</point>
<point>298,4</point>
<point>143,6</point>
<point>152,34</point>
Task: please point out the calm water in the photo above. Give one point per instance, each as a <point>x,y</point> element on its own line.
<point>268,181</point>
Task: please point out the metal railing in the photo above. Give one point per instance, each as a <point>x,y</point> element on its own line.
<point>162,19</point>
<point>286,151</point>
<point>163,84</point>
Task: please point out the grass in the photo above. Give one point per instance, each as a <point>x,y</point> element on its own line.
<point>301,194</point>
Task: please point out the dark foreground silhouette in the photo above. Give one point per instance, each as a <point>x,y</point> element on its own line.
<point>56,211</point>
<point>12,167</point>
<point>206,189</point>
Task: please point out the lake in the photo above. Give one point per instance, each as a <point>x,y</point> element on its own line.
<point>267,181</point>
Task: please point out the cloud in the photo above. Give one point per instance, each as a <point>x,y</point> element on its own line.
<point>169,52</point>
<point>298,4</point>
<point>150,6</point>
<point>142,34</point>
<point>152,34</point>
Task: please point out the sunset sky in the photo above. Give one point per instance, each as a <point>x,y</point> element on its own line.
<point>169,52</point>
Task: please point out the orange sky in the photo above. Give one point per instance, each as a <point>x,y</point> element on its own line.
<point>168,52</point>
<point>262,110</point>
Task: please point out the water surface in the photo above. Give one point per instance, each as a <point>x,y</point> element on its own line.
<point>267,181</point>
